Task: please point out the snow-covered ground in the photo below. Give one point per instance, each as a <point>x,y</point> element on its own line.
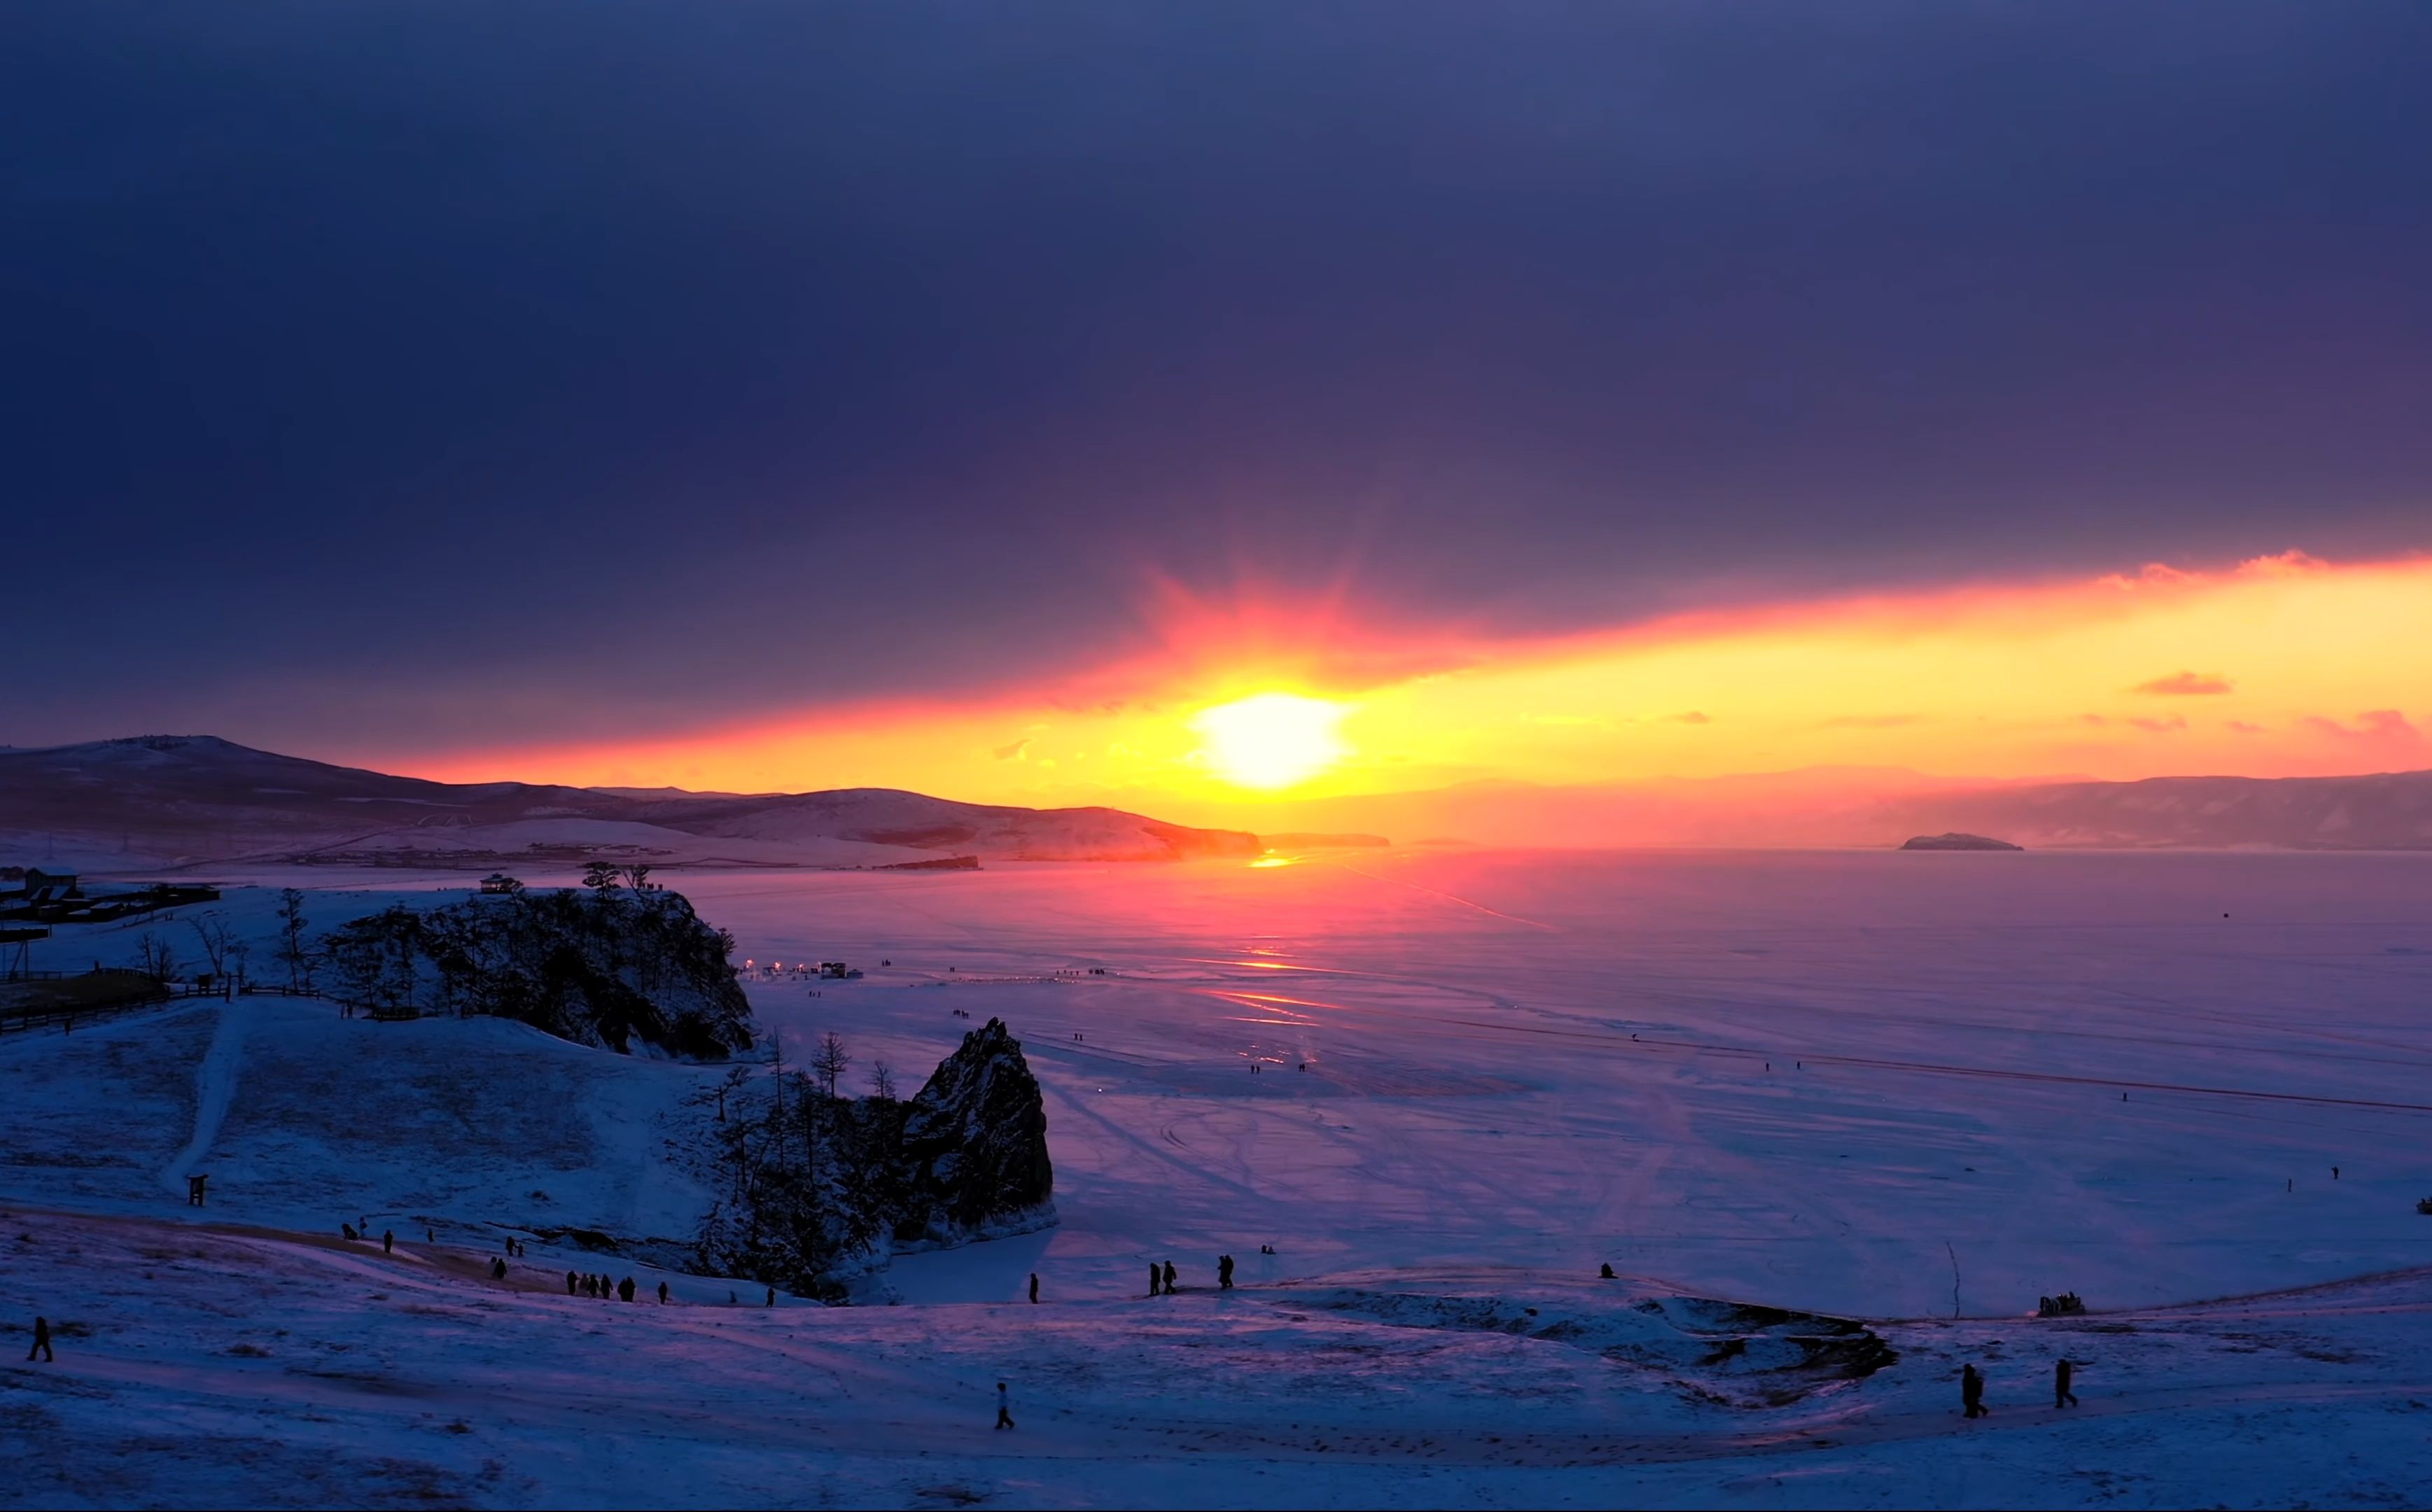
<point>1871,1085</point>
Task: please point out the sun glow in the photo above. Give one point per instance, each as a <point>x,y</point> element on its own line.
<point>1271,740</point>
<point>2280,666</point>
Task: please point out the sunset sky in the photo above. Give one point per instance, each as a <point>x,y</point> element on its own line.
<point>973,399</point>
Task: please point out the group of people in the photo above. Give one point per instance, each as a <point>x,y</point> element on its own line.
<point>1164,1281</point>
<point>600,1286</point>
<point>2067,1303</point>
<point>1971,1388</point>
<point>515,1247</point>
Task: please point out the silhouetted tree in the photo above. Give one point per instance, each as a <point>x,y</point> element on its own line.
<point>601,875</point>
<point>882,1081</point>
<point>829,1062</point>
<point>212,929</point>
<point>291,953</point>
<point>154,958</point>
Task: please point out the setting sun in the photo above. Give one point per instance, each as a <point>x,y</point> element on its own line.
<point>1274,739</point>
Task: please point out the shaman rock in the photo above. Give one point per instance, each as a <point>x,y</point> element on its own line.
<point>976,1140</point>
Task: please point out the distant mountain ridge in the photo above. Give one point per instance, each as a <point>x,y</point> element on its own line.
<point>1879,807</point>
<point>2382,810</point>
<point>154,800</point>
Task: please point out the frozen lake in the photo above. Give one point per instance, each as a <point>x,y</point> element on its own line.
<point>1816,1079</point>
<point>1871,1084</point>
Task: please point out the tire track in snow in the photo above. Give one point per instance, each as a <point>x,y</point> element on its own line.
<point>214,1090</point>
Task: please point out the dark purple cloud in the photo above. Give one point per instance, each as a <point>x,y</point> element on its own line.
<point>515,370</point>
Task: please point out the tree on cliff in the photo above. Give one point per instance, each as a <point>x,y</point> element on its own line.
<point>829,1062</point>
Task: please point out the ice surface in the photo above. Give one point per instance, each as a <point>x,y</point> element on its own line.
<point>1520,1066</point>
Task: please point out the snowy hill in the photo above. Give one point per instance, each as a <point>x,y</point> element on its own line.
<point>186,800</point>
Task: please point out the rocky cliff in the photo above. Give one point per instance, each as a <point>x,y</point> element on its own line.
<point>975,1140</point>
<point>607,966</point>
<point>819,1190</point>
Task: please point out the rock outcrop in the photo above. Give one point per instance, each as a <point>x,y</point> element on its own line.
<point>975,1140</point>
<point>822,1190</point>
<point>606,967</point>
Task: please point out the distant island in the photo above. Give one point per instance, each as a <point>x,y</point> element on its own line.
<point>1955,841</point>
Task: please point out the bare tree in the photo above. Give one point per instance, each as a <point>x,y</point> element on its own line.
<point>829,1062</point>
<point>638,878</point>
<point>291,953</point>
<point>882,1081</point>
<point>218,940</point>
<point>154,958</point>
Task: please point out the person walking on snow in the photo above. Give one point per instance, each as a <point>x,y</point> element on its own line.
<point>1153,1278</point>
<point>2062,1374</point>
<point>388,1241</point>
<point>42,1344</point>
<point>572,1282</point>
<point>1034,1286</point>
<point>663,1294</point>
<point>1003,1406</point>
<point>1169,1278</point>
<point>1971,1391</point>
<point>1225,1272</point>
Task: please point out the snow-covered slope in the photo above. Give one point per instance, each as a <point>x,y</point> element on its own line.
<point>185,800</point>
<point>236,1367</point>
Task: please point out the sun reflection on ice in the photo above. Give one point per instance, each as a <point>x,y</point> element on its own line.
<point>1271,861</point>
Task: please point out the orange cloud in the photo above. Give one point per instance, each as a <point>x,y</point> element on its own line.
<point>2385,727</point>
<point>2183,684</point>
